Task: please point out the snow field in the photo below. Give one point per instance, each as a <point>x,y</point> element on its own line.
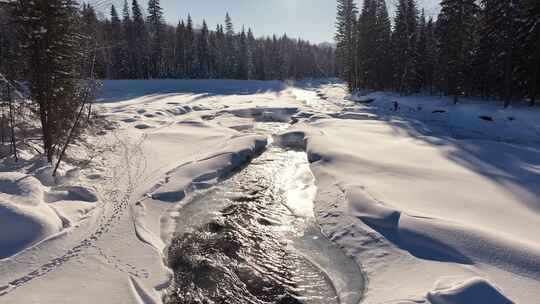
<point>437,202</point>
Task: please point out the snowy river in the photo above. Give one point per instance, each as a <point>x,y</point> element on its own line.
<point>254,239</point>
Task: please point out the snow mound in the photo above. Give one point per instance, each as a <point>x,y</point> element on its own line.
<point>143,126</point>
<point>472,291</point>
<point>208,171</point>
<point>73,193</point>
<point>368,210</point>
<point>24,217</point>
<point>180,110</point>
<point>356,116</point>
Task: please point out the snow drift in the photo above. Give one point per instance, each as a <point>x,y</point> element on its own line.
<point>437,199</point>
<point>208,171</point>
<point>25,219</point>
<point>471,291</point>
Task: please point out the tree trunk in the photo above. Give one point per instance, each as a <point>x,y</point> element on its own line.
<point>507,95</point>
<point>535,81</point>
<point>2,126</point>
<point>70,136</point>
<point>47,137</point>
<point>12,125</point>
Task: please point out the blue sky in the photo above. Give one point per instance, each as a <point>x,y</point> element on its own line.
<point>309,19</point>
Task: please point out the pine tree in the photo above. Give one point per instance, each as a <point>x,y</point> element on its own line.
<point>129,54</point>
<point>50,38</point>
<point>212,61</point>
<point>156,32</point>
<point>422,47</point>
<point>484,61</point>
<point>218,52</point>
<point>276,60</point>
<point>430,52</point>
<point>456,31</point>
<point>229,27</point>
<point>404,47</point>
<point>140,43</point>
<point>9,48</point>
<point>383,47</point>
<point>366,41</point>
<point>251,46</point>
<point>203,52</point>
<point>191,55</point>
<point>89,44</point>
<point>373,45</point>
<point>345,38</point>
<point>530,27</point>
<point>180,50</point>
<point>118,47</point>
<point>231,58</point>
<point>243,69</point>
<point>259,59</point>
<point>501,25</point>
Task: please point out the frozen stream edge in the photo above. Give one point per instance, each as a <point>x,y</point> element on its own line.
<point>299,191</point>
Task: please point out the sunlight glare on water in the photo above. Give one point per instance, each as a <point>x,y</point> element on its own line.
<point>254,239</point>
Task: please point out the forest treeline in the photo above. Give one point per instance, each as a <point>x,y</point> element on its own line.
<point>131,44</point>
<point>136,43</point>
<point>487,48</point>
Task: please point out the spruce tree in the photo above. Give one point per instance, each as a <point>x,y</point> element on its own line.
<point>251,46</point>
<point>180,50</point>
<point>383,46</point>
<point>345,38</point>
<point>422,47</point>
<point>156,31</point>
<point>129,51</point>
<point>430,51</point>
<point>10,63</point>
<point>118,46</point>
<point>190,52</point>
<point>501,25</point>
<point>218,52</point>
<point>140,43</point>
<point>203,52</point>
<point>243,56</point>
<point>530,29</point>
<point>366,41</point>
<point>404,47</point>
<point>231,58</point>
<point>89,43</point>
<point>52,25</point>
<point>456,31</point>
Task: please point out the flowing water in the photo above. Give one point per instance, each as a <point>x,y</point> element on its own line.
<point>254,239</point>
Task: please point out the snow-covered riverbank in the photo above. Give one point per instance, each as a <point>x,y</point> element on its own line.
<point>437,202</point>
